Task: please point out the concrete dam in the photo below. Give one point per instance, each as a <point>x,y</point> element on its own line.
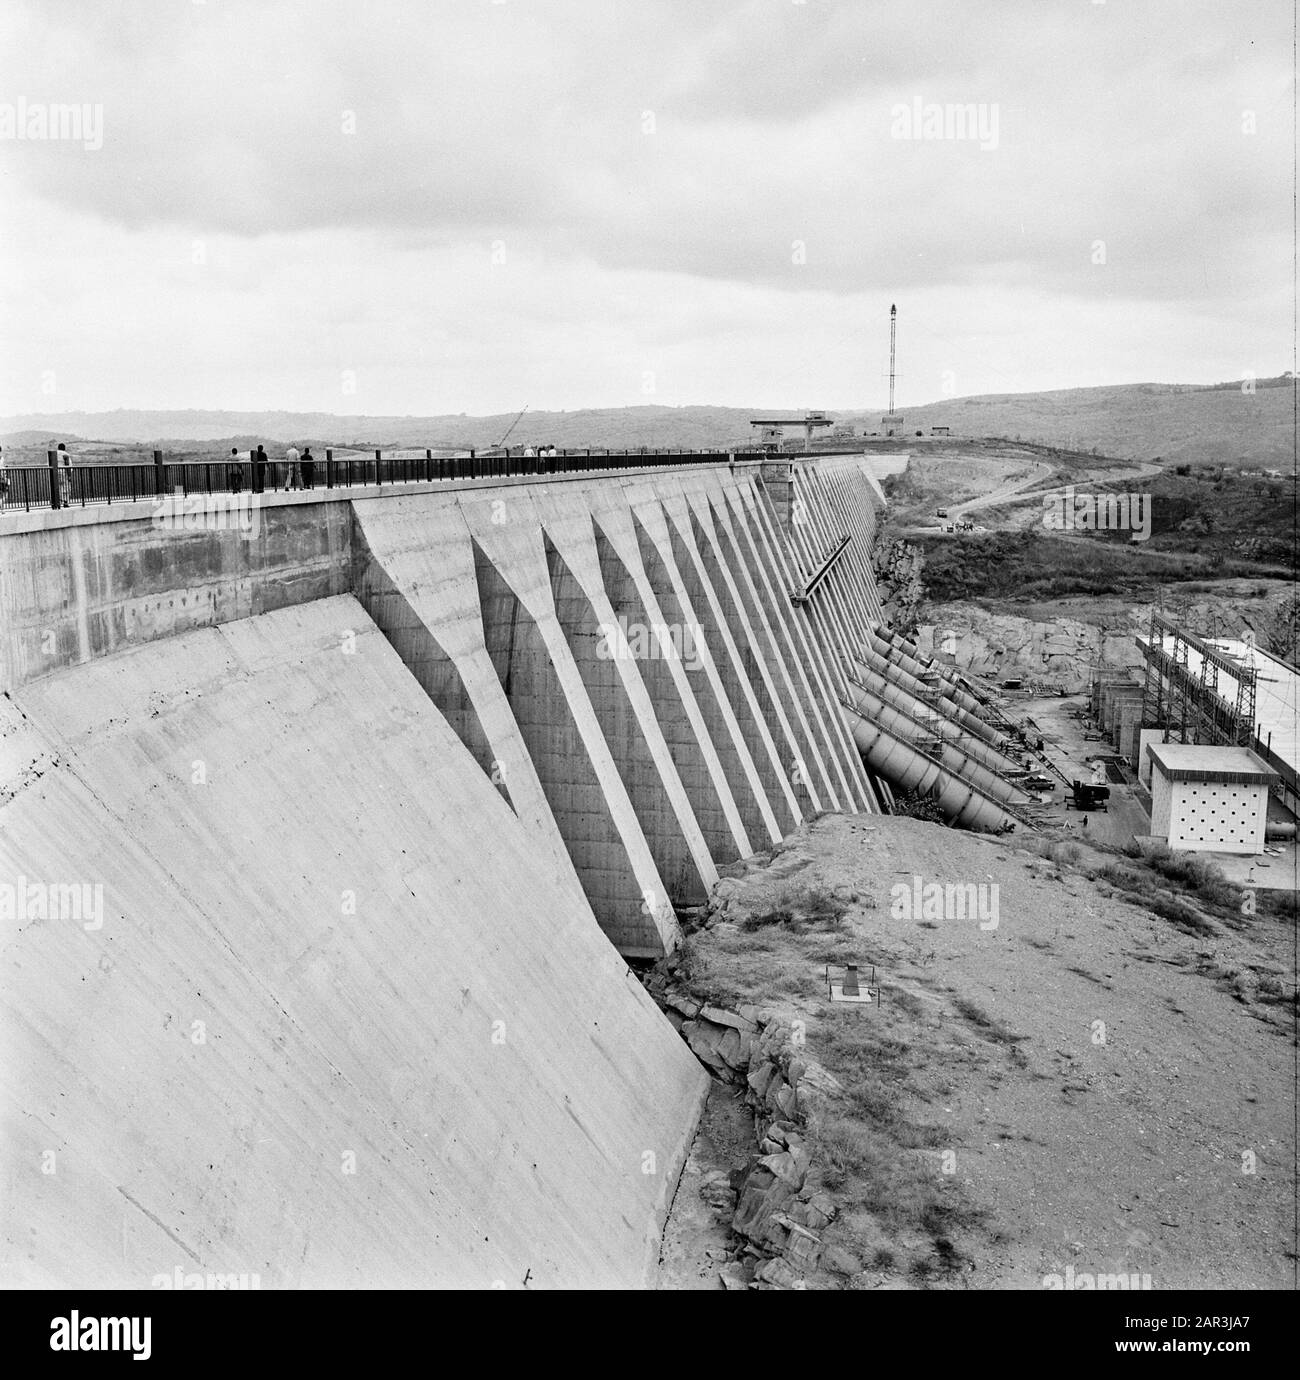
<point>326,841</point>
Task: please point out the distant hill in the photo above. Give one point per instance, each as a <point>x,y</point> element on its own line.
<point>1217,423</point>
<point>689,427</point>
<point>1214,424</point>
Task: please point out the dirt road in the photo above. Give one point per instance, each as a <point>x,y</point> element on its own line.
<point>1012,493</point>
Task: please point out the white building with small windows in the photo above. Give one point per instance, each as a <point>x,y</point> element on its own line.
<point>1209,799</point>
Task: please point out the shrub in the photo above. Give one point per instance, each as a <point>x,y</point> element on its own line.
<point>760,919</point>
<point>918,807</point>
<point>1181,914</point>
<point>812,907</point>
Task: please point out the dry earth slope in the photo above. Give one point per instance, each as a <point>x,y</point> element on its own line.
<point>1083,1085</point>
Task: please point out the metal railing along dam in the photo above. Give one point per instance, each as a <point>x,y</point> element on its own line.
<point>66,481</point>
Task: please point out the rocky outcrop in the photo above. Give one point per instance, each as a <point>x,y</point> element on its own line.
<point>1061,652</point>
<point>776,1212</point>
<point>899,567</point>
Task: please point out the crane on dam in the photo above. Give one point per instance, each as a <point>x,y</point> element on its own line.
<point>773,427</point>
<point>500,445</point>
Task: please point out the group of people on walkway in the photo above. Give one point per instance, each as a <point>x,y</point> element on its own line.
<point>296,471</point>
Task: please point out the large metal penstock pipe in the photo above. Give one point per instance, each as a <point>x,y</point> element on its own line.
<point>950,673</point>
<point>907,769</point>
<point>914,666</point>
<point>948,755</point>
<point>908,645</point>
<point>928,694</point>
<point>940,722</point>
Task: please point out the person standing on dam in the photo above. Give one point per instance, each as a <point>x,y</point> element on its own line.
<point>308,468</point>
<point>258,457</point>
<point>292,474</point>
<point>235,475</point>
<point>65,475</point>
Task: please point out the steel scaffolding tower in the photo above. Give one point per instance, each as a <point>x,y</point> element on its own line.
<point>1175,697</point>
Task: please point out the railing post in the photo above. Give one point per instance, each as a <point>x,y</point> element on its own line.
<point>329,469</point>
<point>159,474</point>
<point>52,459</point>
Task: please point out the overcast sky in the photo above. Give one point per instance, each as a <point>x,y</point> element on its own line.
<point>427,206</point>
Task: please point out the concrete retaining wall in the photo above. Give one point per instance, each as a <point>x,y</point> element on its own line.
<point>343,1022</point>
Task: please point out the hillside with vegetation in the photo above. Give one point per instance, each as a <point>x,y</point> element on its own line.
<point>1175,423</point>
<point>1217,424</point>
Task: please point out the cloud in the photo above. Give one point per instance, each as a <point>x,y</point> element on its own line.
<point>739,151</point>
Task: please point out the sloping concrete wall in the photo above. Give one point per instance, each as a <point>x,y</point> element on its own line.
<point>345,1023</point>
<point>674,710</point>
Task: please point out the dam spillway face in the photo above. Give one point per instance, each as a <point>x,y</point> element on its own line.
<point>362,815</point>
<point>641,680</point>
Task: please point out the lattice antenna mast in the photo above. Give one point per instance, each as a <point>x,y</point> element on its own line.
<point>893,326</point>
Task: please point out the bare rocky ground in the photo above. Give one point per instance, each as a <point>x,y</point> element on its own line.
<point>1088,1084</point>
<point>1059,643</point>
<point>697,1239</point>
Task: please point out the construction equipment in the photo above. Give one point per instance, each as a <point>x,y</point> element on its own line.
<point>500,445</point>
<point>1089,797</point>
<point>773,429</point>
